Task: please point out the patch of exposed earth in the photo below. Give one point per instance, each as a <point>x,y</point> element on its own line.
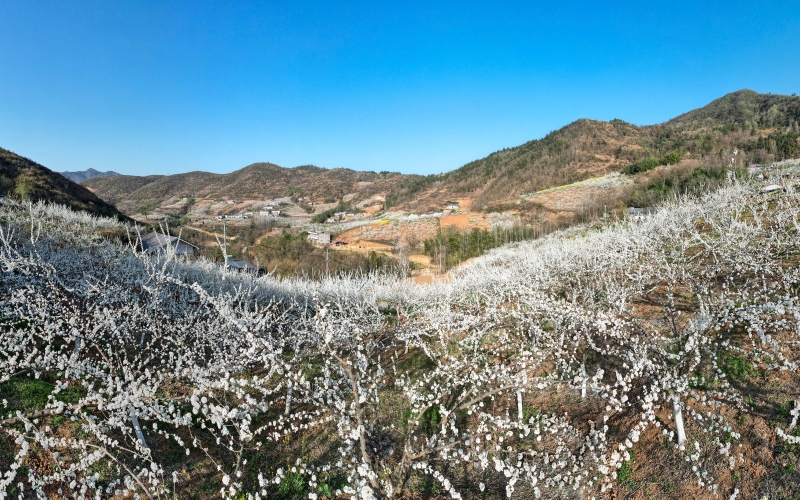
<point>577,196</point>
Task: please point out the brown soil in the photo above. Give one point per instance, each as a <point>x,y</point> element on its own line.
<point>427,279</point>
<point>465,221</point>
<point>409,231</point>
<point>420,260</point>
<point>371,245</point>
<point>464,203</point>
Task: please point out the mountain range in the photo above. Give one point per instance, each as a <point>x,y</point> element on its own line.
<point>756,124</point>
<point>763,127</point>
<point>256,181</point>
<point>86,174</point>
<point>590,148</point>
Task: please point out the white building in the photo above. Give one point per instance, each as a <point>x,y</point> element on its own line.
<point>322,238</point>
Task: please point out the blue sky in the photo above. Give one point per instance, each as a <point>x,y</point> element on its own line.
<point>417,87</point>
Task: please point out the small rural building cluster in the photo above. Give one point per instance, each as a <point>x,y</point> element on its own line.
<point>242,216</point>
<point>320,237</point>
<point>339,216</point>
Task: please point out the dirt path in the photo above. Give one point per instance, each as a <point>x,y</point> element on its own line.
<point>274,232</point>
<point>209,233</point>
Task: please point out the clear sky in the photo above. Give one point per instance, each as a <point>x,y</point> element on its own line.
<point>416,87</point>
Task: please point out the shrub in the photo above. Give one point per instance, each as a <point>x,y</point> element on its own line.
<point>645,164</point>
<point>25,186</point>
<point>642,165</point>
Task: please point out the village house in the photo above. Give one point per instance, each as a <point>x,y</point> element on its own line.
<point>156,242</point>
<point>239,265</point>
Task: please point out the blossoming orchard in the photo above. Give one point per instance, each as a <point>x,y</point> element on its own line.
<point>656,358</point>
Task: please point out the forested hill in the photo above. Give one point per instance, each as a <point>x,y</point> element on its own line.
<point>27,179</point>
<point>744,108</point>
<point>580,150</point>
<point>256,181</point>
<point>764,127</point>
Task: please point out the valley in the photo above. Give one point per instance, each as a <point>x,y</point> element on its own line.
<point>572,175</point>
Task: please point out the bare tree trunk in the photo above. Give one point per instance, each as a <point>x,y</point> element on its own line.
<point>583,377</point>
<point>137,427</point>
<point>288,400</point>
<point>677,412</point>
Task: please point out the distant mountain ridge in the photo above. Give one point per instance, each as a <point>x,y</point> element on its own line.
<point>91,173</point>
<point>764,127</point>
<point>256,181</point>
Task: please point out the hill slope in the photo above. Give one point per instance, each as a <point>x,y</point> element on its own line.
<point>636,360</point>
<point>756,124</point>
<point>580,150</point>
<point>744,107</point>
<point>28,179</point>
<point>764,127</point>
<point>256,181</point>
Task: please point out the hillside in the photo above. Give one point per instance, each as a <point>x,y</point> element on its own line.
<point>256,181</point>
<point>83,175</point>
<point>27,179</point>
<point>623,360</point>
<point>580,150</point>
<point>589,148</point>
<point>744,108</point>
<point>763,127</point>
